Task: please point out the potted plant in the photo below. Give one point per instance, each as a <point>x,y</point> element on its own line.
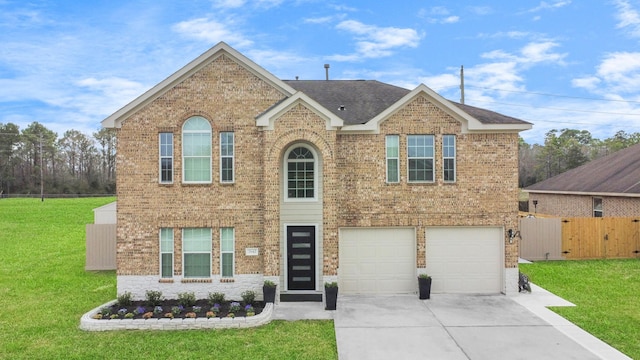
<point>424,286</point>
<point>269,291</point>
<point>331,295</point>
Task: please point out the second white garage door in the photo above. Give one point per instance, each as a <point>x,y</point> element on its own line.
<point>465,259</point>
<point>377,261</point>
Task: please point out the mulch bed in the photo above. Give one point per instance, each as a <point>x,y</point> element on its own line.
<point>142,310</point>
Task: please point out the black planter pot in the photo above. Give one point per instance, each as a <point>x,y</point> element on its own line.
<point>269,293</point>
<point>424,286</point>
<point>331,294</point>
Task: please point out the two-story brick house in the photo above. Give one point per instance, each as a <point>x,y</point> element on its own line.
<point>228,176</point>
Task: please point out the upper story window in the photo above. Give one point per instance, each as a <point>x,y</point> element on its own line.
<point>300,173</point>
<point>166,158</point>
<point>420,158</point>
<point>196,150</point>
<point>597,207</point>
<point>393,158</point>
<point>449,158</point>
<point>226,157</point>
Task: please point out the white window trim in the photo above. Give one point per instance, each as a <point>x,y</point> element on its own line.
<point>316,170</point>
<point>160,157</point>
<point>232,252</point>
<point>210,132</point>
<point>167,252</point>
<point>232,157</point>
<point>433,159</point>
<point>210,252</point>
<point>397,158</point>
<point>454,157</point>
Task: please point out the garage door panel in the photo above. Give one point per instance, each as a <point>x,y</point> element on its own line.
<point>377,261</point>
<point>465,259</point>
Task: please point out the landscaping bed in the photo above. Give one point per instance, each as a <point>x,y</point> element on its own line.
<point>174,309</point>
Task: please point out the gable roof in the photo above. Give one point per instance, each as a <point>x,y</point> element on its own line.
<point>355,101</point>
<point>363,100</point>
<point>351,105</point>
<point>115,119</point>
<point>617,174</point>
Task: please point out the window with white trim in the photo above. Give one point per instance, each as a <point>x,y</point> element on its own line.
<point>449,158</point>
<point>393,158</point>
<point>166,252</point>
<point>196,252</point>
<point>196,150</point>
<point>420,158</point>
<point>300,174</point>
<point>166,157</point>
<point>227,251</point>
<point>226,157</point>
<point>597,207</point>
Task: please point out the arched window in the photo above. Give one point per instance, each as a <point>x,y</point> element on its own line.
<point>301,174</point>
<point>196,150</point>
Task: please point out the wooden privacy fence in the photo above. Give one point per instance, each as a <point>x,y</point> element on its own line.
<point>101,247</point>
<point>579,238</point>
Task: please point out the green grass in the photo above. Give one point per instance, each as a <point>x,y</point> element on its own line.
<point>606,294</point>
<point>44,290</point>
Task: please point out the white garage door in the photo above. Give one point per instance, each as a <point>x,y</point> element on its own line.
<point>377,261</point>
<point>465,259</point>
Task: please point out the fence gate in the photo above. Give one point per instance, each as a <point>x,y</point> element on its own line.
<point>541,239</point>
<point>600,238</point>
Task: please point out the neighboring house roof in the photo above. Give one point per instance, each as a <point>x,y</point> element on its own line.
<point>617,174</point>
<point>350,105</point>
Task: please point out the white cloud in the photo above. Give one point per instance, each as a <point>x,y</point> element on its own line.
<point>451,20</point>
<point>590,83</point>
<point>550,6</point>
<point>628,17</point>
<point>228,4</point>
<point>375,42</point>
<point>212,31</point>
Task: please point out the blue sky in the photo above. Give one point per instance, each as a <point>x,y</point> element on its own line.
<point>556,63</point>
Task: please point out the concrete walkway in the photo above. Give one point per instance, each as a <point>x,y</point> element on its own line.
<point>453,327</point>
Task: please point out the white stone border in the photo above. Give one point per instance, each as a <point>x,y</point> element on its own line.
<point>87,323</point>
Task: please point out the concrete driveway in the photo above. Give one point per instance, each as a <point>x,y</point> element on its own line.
<point>456,327</point>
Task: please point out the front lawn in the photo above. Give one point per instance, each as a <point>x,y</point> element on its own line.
<point>606,294</point>
<point>44,290</point>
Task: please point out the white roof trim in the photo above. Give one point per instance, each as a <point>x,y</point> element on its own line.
<point>115,119</point>
<point>582,193</point>
<point>267,120</point>
<point>469,123</point>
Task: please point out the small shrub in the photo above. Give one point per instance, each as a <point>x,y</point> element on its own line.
<point>114,316</point>
<point>216,298</point>
<point>176,310</point>
<point>158,310</point>
<point>196,309</point>
<point>153,297</point>
<point>125,299</point>
<point>186,299</point>
<point>248,296</point>
<point>234,307</point>
<point>122,311</point>
<point>129,316</point>
<point>139,310</point>
<point>147,315</point>
<point>105,311</point>
<point>269,283</point>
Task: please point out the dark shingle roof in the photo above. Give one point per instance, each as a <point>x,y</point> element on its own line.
<point>364,99</point>
<point>487,116</point>
<point>615,173</point>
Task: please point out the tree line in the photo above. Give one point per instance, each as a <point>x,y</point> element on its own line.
<point>35,159</point>
<point>564,150</point>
